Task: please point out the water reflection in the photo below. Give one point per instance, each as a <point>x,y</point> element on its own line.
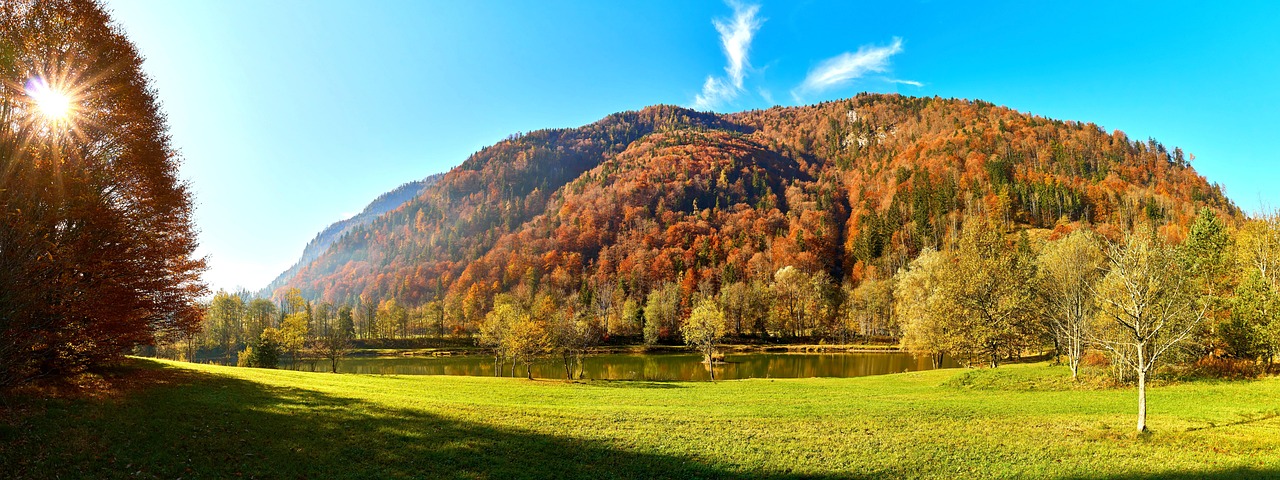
<point>661,367</point>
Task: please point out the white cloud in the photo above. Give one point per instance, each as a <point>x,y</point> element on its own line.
<point>767,96</point>
<point>846,67</point>
<point>714,92</point>
<point>735,39</point>
<point>905,82</point>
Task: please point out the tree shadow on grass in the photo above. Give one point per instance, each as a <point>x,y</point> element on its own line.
<point>190,424</point>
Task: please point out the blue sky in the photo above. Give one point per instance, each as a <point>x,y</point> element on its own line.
<point>293,114</point>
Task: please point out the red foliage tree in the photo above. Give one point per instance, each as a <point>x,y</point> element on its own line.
<point>96,238</point>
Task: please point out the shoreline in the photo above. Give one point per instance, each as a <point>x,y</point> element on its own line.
<point>638,349</point>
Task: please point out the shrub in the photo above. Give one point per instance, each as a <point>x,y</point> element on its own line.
<point>1229,368</point>
<point>266,354</point>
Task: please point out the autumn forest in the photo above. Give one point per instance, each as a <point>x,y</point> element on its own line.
<point>844,193</point>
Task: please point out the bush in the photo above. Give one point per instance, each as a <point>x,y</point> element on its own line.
<point>1228,368</point>
<point>266,354</point>
<point>1095,358</point>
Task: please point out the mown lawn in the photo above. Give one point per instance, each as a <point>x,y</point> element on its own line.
<point>172,420</point>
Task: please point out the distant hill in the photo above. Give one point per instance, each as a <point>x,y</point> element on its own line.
<point>851,188</point>
<point>318,245</point>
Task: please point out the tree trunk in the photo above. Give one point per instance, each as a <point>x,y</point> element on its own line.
<point>1142,401</point>
<point>711,362</point>
<point>528,369</point>
<point>1141,369</point>
<point>568,372</point>
<point>497,366</point>
<point>1057,352</point>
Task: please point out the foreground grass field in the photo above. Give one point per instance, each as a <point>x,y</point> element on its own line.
<point>172,420</point>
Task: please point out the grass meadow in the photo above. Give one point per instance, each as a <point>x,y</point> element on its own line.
<point>157,419</point>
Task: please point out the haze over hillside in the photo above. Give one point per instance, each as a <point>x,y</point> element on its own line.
<point>851,188</point>
<point>318,245</point>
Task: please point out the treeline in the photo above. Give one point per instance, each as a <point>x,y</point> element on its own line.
<point>1138,302</point>
<point>256,332</point>
<point>249,330</point>
<point>994,295</point>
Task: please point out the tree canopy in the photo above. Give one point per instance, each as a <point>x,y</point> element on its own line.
<point>96,242</point>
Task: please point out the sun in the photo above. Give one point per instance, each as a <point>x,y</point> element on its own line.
<point>53,104</point>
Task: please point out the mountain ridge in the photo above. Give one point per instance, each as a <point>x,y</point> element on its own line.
<point>851,188</point>
<point>322,241</point>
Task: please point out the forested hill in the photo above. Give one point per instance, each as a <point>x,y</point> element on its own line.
<point>848,189</point>
<point>318,245</point>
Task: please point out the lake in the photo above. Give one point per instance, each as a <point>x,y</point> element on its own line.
<point>660,367</point>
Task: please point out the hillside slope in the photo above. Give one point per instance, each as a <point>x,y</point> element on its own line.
<point>323,240</point>
<point>847,189</point>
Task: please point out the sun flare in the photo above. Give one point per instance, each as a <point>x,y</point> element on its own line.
<point>52,103</point>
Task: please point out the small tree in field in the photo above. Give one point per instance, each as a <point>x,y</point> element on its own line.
<point>336,342</point>
<point>263,353</point>
<point>526,340</point>
<point>494,328</point>
<point>1147,306</point>
<point>706,326</point>
<point>292,335</point>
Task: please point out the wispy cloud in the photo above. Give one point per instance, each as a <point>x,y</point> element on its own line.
<point>847,67</point>
<point>767,96</point>
<point>735,38</point>
<point>905,82</point>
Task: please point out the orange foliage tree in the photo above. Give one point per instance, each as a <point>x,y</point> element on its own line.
<point>96,238</point>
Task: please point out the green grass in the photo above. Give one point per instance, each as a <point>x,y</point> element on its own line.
<point>201,421</point>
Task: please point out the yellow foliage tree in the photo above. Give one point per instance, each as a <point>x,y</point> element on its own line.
<point>706,326</point>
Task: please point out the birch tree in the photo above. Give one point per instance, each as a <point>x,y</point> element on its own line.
<point>869,308</point>
<point>1146,307</point>
<point>661,312</point>
<point>292,335</point>
<point>1069,270</point>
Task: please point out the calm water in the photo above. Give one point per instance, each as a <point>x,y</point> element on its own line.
<point>660,366</point>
